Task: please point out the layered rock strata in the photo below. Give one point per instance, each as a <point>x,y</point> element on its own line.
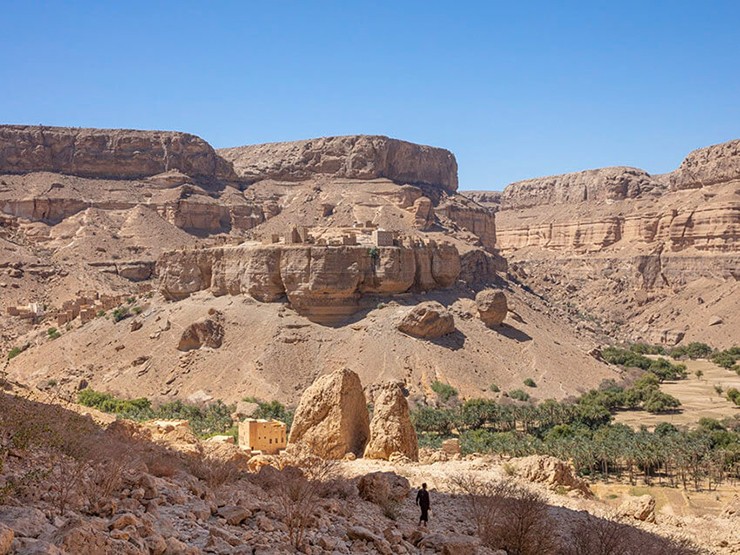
<point>323,283</point>
<point>354,157</point>
<point>707,166</point>
<point>615,183</point>
<point>101,153</point>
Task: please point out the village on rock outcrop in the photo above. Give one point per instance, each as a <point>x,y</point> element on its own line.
<point>269,348</point>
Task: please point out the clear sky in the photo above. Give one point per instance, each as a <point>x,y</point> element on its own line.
<point>514,89</point>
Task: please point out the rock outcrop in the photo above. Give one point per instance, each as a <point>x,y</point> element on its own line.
<point>427,320</point>
<point>332,419</point>
<point>707,166</point>
<point>207,332</point>
<point>353,157</point>
<point>551,472</point>
<point>492,306</point>
<point>107,153</point>
<point>640,508</point>
<point>391,430</point>
<point>323,283</point>
<point>615,183</point>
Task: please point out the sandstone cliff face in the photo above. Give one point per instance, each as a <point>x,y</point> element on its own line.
<point>615,183</point>
<point>116,153</point>
<point>354,157</point>
<point>707,166</point>
<point>323,283</point>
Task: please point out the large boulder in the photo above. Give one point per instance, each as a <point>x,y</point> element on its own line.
<point>427,320</point>
<point>332,419</point>
<point>207,332</point>
<point>492,306</point>
<point>391,429</point>
<point>641,507</point>
<point>552,472</point>
<point>380,487</point>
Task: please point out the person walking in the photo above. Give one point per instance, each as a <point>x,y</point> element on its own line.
<point>422,500</point>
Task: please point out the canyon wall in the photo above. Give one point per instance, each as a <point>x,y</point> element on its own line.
<point>616,244</point>
<point>353,157</point>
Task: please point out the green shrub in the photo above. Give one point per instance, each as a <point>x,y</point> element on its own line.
<point>646,349</point>
<point>519,395</point>
<point>137,310</point>
<point>493,387</point>
<point>429,419</point>
<point>692,350</point>
<point>727,359</point>
<point>120,313</point>
<point>658,402</point>
<point>529,382</point>
<point>14,352</point>
<point>733,395</point>
<point>53,333</point>
<point>444,391</point>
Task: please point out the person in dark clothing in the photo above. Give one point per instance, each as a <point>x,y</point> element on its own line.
<point>422,499</point>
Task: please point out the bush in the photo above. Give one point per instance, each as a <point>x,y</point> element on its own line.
<point>493,387</point>
<point>120,313</point>
<point>645,349</point>
<point>733,395</point>
<point>692,350</point>
<point>529,382</point>
<point>519,395</point>
<point>658,402</point>
<point>53,333</point>
<point>428,419</point>
<point>444,391</point>
<point>727,359</point>
<point>14,352</point>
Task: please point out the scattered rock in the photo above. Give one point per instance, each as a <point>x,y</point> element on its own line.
<point>26,522</point>
<point>427,320</point>
<point>450,544</point>
<point>391,429</point>
<point>234,514</point>
<point>244,409</point>
<point>332,418</point>
<point>492,306</point>
<point>715,321</point>
<point>451,446</point>
<point>6,539</point>
<point>136,325</point>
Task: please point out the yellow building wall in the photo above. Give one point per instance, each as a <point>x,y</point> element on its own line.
<point>268,436</point>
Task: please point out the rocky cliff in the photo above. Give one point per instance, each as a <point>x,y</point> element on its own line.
<point>707,166</point>
<point>354,157</point>
<point>107,153</point>
<point>323,283</point>
<point>616,243</point>
<point>603,184</point>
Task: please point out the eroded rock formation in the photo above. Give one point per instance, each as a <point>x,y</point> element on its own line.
<point>323,283</point>
<point>354,157</point>
<point>707,166</point>
<point>116,153</point>
<point>332,419</point>
<point>591,185</point>
<point>207,332</point>
<point>391,430</point>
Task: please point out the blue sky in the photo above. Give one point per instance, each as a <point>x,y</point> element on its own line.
<point>514,89</point>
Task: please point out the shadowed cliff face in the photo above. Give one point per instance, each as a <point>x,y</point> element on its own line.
<point>353,157</point>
